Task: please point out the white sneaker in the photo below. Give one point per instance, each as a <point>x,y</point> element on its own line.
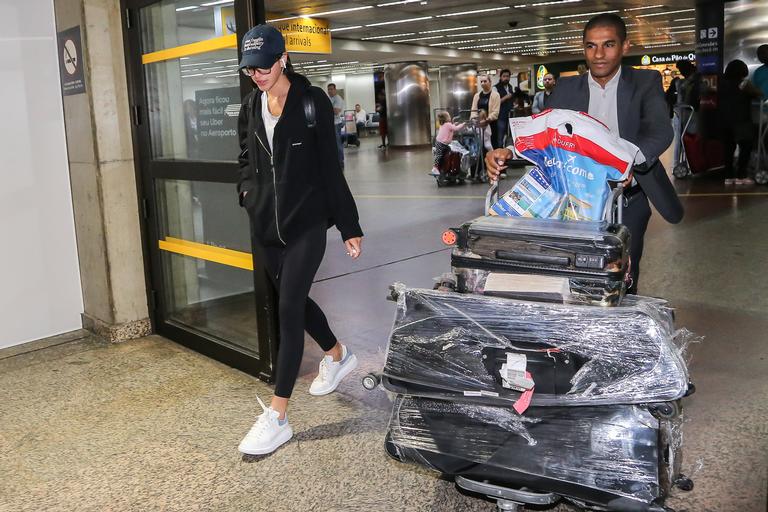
<point>267,434</point>
<point>330,373</point>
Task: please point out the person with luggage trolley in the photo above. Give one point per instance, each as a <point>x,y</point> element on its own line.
<point>631,103</point>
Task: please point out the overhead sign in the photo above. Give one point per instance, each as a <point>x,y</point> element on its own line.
<point>305,35</point>
<point>71,61</point>
<point>709,37</point>
<point>666,59</point>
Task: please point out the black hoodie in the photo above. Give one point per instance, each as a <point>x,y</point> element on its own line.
<point>300,183</point>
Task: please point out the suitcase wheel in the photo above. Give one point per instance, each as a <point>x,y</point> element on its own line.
<point>684,483</point>
<point>371,381</point>
<point>761,178</point>
<point>681,171</point>
<point>664,410</point>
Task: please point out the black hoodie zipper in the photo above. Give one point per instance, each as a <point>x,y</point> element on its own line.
<point>274,187</point>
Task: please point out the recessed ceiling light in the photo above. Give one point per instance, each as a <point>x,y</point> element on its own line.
<point>417,39</point>
<point>188,8</point>
<point>407,20</point>
<point>476,11</point>
<point>644,7</point>
<point>390,35</point>
<point>218,2</point>
<point>341,29</point>
<point>401,2</point>
<point>474,33</point>
<point>324,13</point>
<point>448,29</point>
<point>563,16</point>
<point>539,4</point>
<point>534,27</point>
<point>663,13</point>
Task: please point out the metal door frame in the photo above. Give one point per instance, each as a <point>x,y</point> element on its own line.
<point>247,14</point>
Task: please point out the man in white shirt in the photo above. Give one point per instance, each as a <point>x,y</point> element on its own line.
<point>338,118</point>
<point>361,116</point>
<point>631,103</point>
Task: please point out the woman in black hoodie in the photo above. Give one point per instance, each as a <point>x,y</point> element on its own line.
<point>293,189</point>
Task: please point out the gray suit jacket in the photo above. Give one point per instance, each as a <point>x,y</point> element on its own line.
<point>643,120</point>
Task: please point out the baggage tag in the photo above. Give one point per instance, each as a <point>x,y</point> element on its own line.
<point>513,373</point>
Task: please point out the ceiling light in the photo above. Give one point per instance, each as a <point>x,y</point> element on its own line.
<point>319,66</point>
<point>188,76</point>
<point>390,35</point>
<point>408,20</point>
<point>187,8</point>
<point>317,14</point>
<point>218,2</point>
<point>644,7</point>
<point>341,29</point>
<point>417,39</point>
<point>684,19</point>
<point>661,45</point>
<point>534,27</point>
<point>663,13</point>
<point>476,11</point>
<point>196,64</point>
<point>474,33</point>
<point>224,60</point>
<point>539,4</point>
<point>447,29</point>
<point>401,2</point>
<point>562,16</point>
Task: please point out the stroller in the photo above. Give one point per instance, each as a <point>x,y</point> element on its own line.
<point>351,137</point>
<point>464,158</point>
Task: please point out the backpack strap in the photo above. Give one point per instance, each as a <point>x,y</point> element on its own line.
<point>309,110</point>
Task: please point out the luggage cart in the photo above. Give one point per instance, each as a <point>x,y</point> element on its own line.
<point>471,137</point>
<point>761,168</point>
<point>695,155</point>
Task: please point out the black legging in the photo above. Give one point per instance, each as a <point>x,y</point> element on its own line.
<point>292,270</point>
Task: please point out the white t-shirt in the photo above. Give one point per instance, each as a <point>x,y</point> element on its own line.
<point>269,120</point>
<point>360,117</point>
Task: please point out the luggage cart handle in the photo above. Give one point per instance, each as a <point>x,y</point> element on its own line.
<point>491,196</point>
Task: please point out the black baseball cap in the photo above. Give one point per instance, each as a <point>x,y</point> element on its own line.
<point>262,46</point>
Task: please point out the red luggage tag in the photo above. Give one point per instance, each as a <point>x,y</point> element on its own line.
<point>522,403</point>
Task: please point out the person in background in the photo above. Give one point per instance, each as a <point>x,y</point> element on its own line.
<point>736,95</point>
<point>487,143</point>
<point>641,118</point>
<point>505,93</point>
<point>293,190</point>
<point>338,118</point>
<point>760,77</point>
<point>488,99</point>
<point>443,139</point>
<point>381,108</point>
<point>360,118</point>
<point>540,100</point>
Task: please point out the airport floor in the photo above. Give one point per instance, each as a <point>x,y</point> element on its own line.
<point>149,425</point>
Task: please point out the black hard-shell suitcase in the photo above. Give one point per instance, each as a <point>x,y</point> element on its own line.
<point>620,458</point>
<point>590,259</point>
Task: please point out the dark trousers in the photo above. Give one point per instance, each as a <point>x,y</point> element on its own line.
<point>502,129</point>
<point>637,213</point>
<point>732,137</point>
<point>494,134</point>
<point>291,270</point>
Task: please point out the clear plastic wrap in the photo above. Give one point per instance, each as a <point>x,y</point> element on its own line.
<point>444,344</point>
<point>597,455</point>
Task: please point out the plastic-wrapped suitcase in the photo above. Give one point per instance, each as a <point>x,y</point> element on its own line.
<point>455,346</point>
<point>618,457</point>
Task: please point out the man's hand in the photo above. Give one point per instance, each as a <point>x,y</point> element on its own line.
<point>495,162</point>
<point>354,247</point>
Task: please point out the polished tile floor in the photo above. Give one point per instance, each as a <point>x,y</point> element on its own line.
<point>149,425</point>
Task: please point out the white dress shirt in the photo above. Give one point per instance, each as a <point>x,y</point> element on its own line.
<point>603,105</point>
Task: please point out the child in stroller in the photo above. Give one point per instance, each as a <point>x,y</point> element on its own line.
<point>443,139</point>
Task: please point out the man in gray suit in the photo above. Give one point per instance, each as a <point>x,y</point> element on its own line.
<point>631,103</point>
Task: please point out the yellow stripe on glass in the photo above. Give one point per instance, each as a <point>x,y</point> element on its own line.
<point>205,252</point>
<point>185,50</point>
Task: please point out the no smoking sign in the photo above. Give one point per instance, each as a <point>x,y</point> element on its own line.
<point>71,61</point>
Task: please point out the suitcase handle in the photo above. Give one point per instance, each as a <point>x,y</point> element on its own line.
<point>491,196</point>
<point>534,258</point>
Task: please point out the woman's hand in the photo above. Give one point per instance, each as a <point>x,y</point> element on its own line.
<point>354,247</point>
